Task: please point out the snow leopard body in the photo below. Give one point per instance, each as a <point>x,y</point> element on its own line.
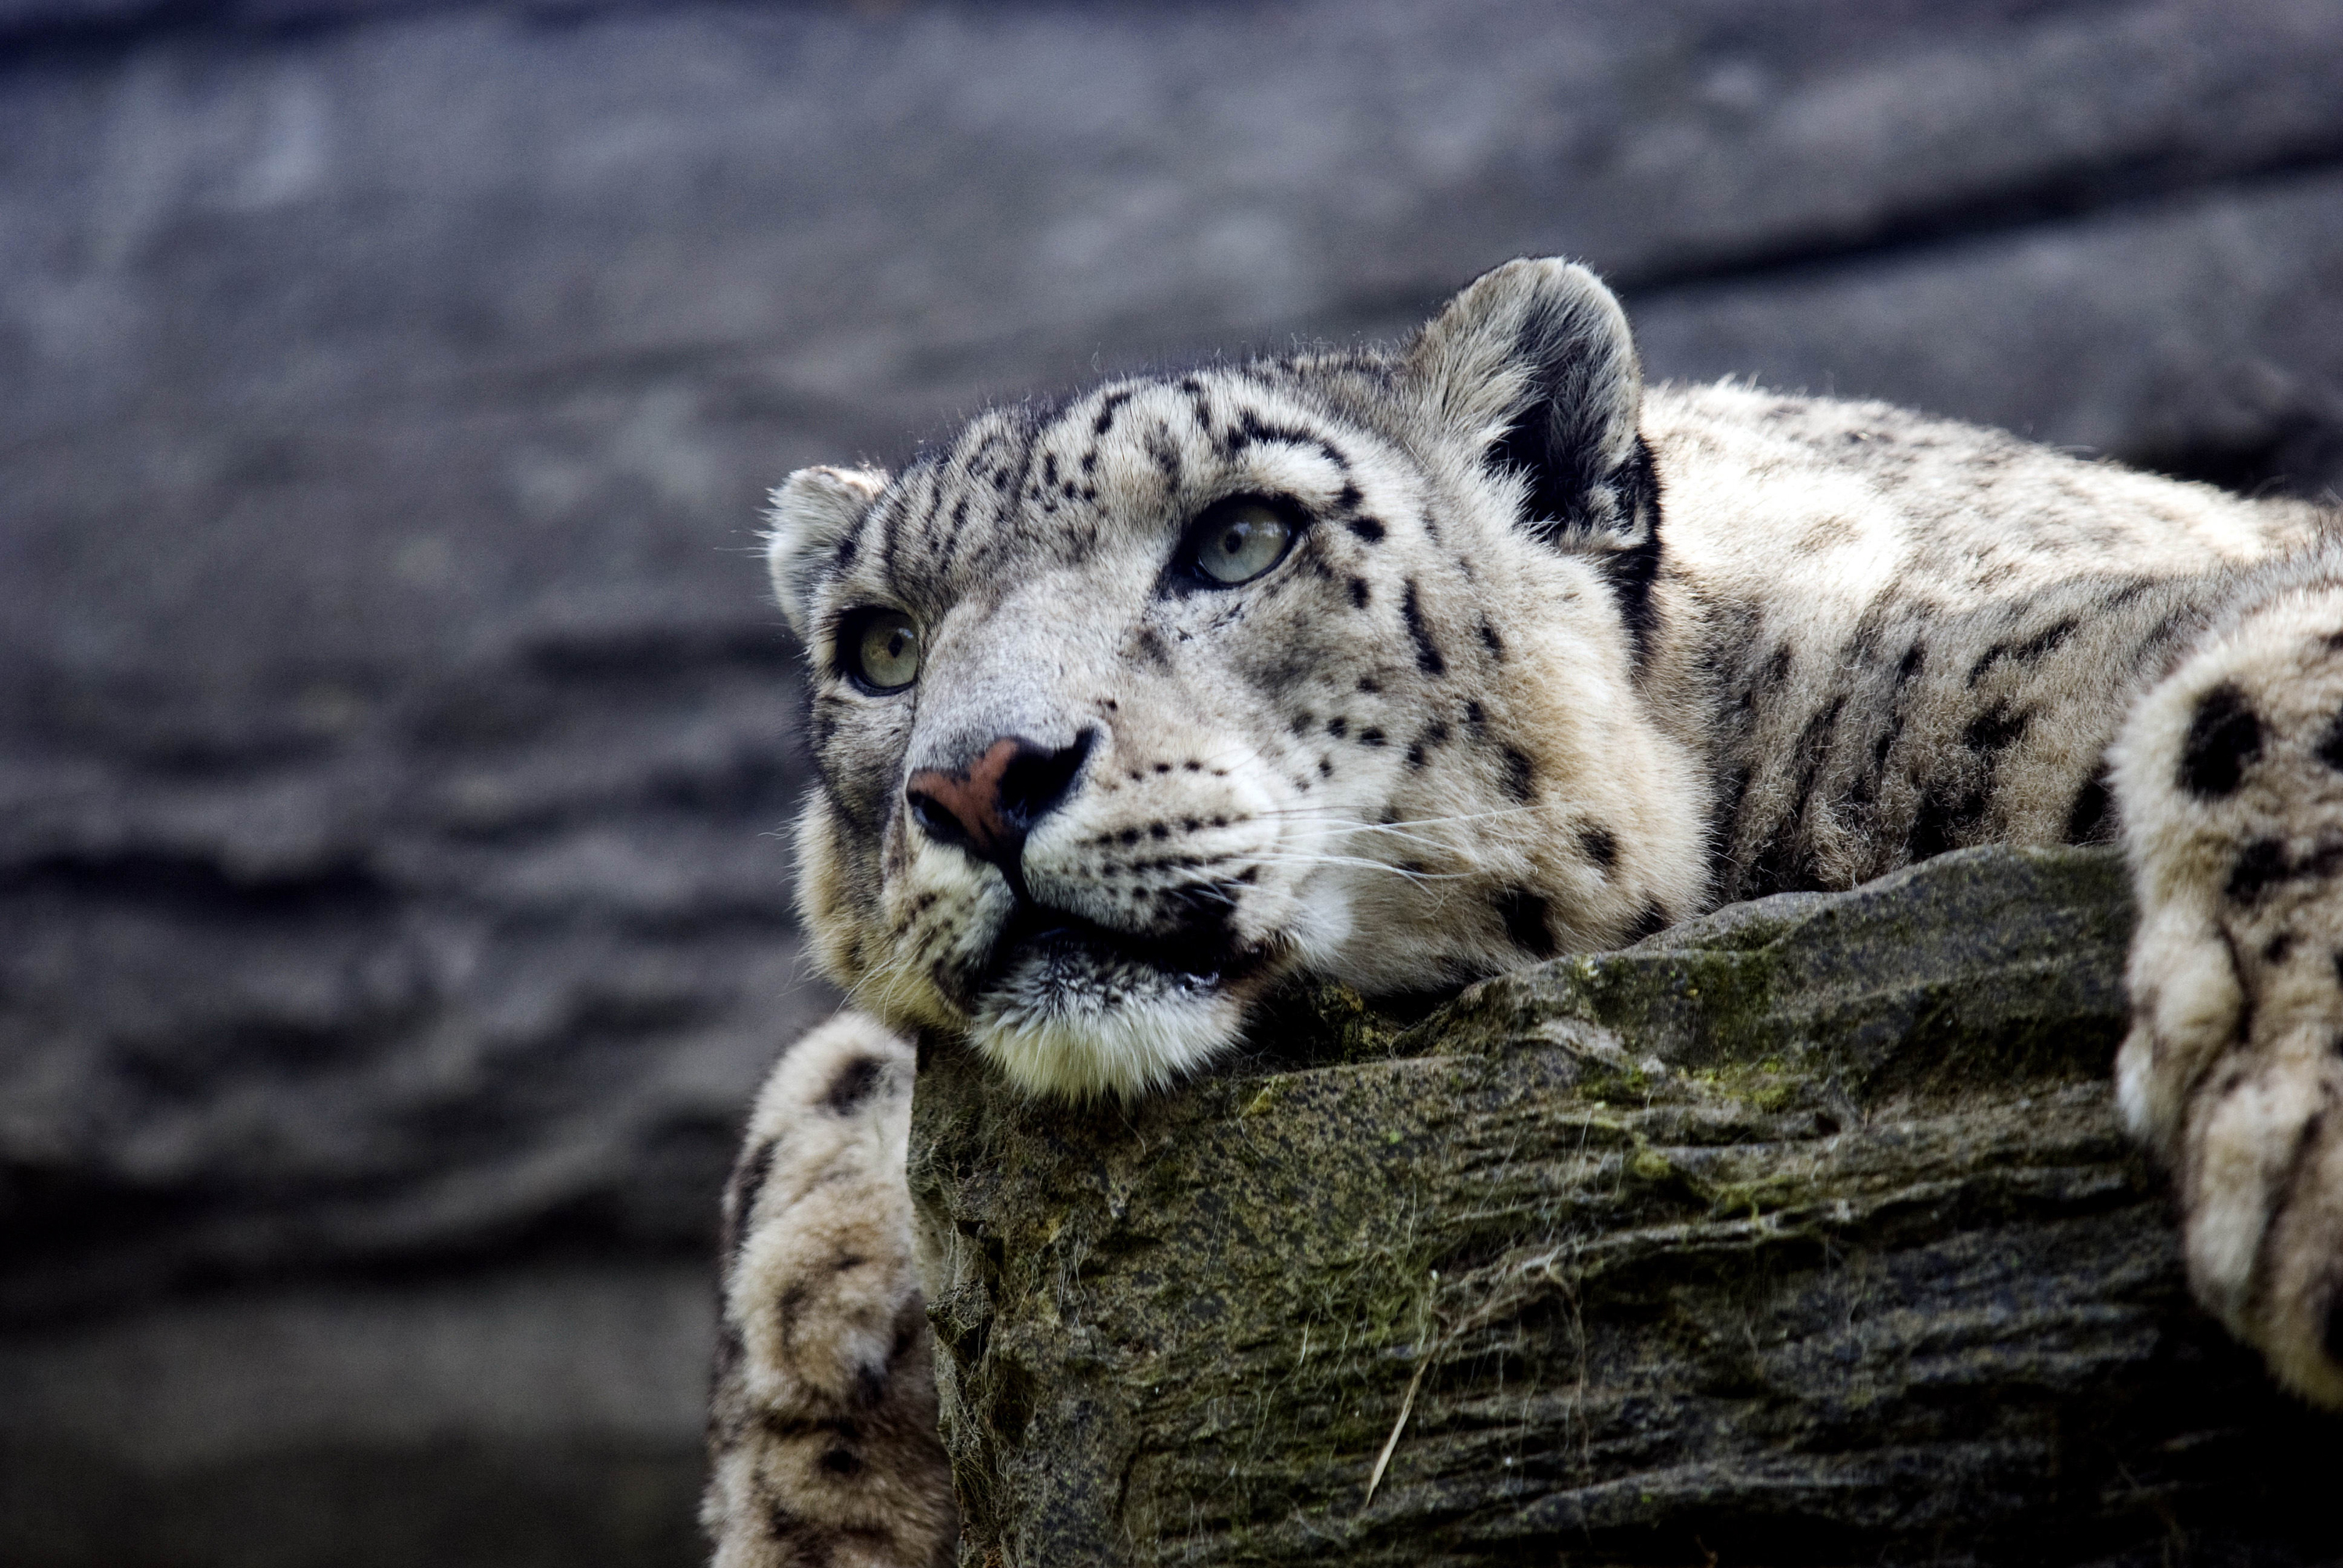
<point>1402,668</point>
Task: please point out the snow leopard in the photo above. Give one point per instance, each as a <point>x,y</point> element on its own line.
<point>1398,667</point>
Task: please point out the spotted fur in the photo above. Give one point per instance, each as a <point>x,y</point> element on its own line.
<point>821,1426</point>
<point>1551,662</point>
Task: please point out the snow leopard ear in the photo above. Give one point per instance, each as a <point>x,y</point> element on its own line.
<point>1534,363</point>
<point>814,509</point>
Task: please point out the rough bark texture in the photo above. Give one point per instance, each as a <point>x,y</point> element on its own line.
<point>1802,1233</point>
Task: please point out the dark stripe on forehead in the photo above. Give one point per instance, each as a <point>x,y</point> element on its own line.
<point>1110,405</point>
<point>896,499</point>
<point>1166,453</point>
<point>857,541</point>
<point>930,511</point>
<point>955,530</point>
<point>890,526</point>
<point>1427,652</point>
<point>963,470</point>
<point>1009,495</point>
<point>1252,430</point>
<point>1200,404</point>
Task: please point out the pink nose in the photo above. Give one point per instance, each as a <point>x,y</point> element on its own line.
<point>989,808</point>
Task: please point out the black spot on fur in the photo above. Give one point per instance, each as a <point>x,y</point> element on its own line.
<point>1914,658</point>
<point>1780,865</point>
<point>1427,652</point>
<point>1520,774</point>
<point>1359,593</point>
<point>2259,864</point>
<point>1473,716</point>
<point>1865,788</point>
<point>1366,529</point>
<point>2263,865</point>
<point>2278,948</point>
<point>1996,729</point>
<point>728,1350</point>
<point>1600,847</point>
<point>1420,750</point>
<point>2224,735</point>
<point>2330,750</point>
<point>1338,727</point>
<point>1777,867</point>
<point>1650,923</point>
<point>1943,820</point>
<point>1166,455</point>
<point>1632,571</point>
<point>1370,737</point>
<point>1108,406</point>
<point>1527,923</point>
<point>890,523</point>
<point>853,1085</point>
<point>786,1307</point>
<point>842,1462</point>
<point>1252,430</point>
<point>2024,652</point>
<point>1492,642</point>
<point>2089,821</point>
<point>749,1179</point>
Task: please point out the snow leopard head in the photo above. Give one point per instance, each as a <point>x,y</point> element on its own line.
<point>1126,706</point>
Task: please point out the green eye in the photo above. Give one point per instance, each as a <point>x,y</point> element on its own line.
<point>1239,539</point>
<point>881,648</point>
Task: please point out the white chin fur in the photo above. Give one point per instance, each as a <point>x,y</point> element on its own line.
<point>1079,1039</point>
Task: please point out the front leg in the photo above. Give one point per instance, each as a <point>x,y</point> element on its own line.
<point>821,1429</point>
<point>2229,777</point>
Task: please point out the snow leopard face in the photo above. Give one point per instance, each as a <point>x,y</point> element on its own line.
<point>1126,708</point>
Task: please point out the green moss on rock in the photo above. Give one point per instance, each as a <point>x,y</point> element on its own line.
<point>1801,1232</point>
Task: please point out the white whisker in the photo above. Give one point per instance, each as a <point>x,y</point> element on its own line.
<point>1307,858</point>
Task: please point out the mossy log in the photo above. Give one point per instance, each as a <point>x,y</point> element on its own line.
<point>1800,1233</point>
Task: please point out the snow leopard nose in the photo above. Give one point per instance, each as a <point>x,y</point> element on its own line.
<point>989,808</point>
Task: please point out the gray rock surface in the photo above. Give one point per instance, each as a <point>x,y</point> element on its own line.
<point>1799,1234</point>
<point>393,738</point>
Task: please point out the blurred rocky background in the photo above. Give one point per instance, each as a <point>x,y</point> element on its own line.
<point>395,745</point>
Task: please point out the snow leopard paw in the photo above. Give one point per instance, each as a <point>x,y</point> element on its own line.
<point>2229,777</point>
<point>822,1431</point>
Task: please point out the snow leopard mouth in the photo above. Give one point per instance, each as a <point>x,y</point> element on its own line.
<point>1037,939</point>
<point>1072,1008</point>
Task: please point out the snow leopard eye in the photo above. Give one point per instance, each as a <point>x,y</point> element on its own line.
<point>879,648</point>
<point>1238,539</point>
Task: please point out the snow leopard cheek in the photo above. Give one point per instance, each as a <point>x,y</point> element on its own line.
<point>839,922</point>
